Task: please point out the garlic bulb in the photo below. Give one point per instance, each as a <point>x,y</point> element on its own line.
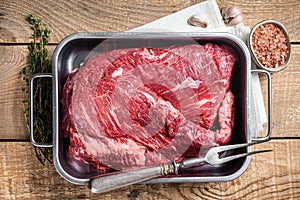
<point>236,20</point>
<point>232,15</point>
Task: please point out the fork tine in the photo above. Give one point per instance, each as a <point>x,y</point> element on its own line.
<point>235,146</point>
<point>233,157</point>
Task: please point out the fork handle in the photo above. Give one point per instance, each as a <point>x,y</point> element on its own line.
<point>121,179</point>
<point>192,162</point>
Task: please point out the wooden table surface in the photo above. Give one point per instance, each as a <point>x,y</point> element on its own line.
<point>274,175</point>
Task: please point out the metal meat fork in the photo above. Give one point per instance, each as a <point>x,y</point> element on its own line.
<point>213,157</point>
<point>120,179</point>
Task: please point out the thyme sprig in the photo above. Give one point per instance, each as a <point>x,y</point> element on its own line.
<point>42,97</point>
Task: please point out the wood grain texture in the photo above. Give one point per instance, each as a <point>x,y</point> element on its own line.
<point>66,17</point>
<point>286,95</point>
<point>286,98</point>
<point>11,116</point>
<point>274,175</point>
<point>12,60</point>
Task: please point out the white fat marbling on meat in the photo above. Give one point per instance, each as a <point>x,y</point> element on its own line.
<point>118,72</point>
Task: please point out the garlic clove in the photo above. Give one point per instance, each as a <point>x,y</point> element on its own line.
<point>232,15</point>
<point>197,20</point>
<point>224,11</point>
<point>236,20</point>
<point>232,12</point>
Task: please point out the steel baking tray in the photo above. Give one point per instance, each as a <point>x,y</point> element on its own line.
<point>72,51</point>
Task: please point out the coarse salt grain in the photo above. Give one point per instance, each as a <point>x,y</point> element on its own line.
<point>270,45</point>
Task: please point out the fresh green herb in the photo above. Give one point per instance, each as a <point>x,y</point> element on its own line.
<point>42,97</point>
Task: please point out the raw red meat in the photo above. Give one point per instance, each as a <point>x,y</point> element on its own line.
<point>135,107</point>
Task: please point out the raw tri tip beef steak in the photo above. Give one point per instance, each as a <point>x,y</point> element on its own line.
<point>134,107</point>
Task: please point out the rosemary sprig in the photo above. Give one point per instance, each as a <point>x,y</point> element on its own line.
<point>42,97</point>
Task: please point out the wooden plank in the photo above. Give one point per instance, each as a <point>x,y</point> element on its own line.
<point>274,175</point>
<point>286,95</point>
<point>67,17</point>
<point>11,116</point>
<point>286,98</point>
<point>12,123</point>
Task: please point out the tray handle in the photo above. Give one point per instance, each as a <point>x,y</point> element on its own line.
<point>269,132</point>
<point>37,144</point>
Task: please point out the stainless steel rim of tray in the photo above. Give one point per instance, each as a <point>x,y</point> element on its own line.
<point>65,54</point>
